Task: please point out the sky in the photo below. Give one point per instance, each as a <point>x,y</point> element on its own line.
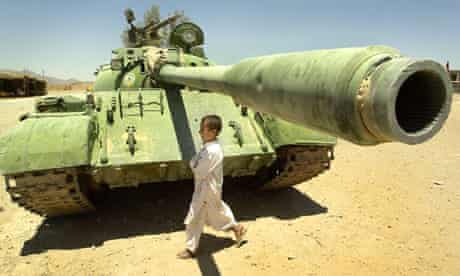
<point>70,39</point>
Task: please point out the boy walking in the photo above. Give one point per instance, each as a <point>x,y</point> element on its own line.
<point>207,206</point>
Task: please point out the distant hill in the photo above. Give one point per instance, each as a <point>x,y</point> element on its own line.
<point>51,80</point>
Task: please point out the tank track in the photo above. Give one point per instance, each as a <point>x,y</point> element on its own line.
<point>50,193</point>
<point>58,192</point>
<point>296,164</point>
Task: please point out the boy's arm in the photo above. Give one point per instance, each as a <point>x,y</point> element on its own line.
<point>205,165</point>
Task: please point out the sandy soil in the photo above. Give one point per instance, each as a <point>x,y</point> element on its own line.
<point>70,87</point>
<point>385,210</point>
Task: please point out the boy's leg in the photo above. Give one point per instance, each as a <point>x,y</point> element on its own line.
<point>193,231</point>
<point>222,219</point>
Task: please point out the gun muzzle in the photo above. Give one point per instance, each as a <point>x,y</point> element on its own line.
<point>364,95</point>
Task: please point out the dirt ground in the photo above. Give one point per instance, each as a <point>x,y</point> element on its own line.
<point>69,88</point>
<point>385,210</point>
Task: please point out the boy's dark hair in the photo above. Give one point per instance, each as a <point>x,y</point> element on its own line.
<point>213,122</point>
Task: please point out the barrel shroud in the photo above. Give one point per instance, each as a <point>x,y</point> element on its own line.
<point>364,95</point>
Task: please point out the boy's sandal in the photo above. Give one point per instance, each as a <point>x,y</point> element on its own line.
<point>186,254</point>
<point>240,236</point>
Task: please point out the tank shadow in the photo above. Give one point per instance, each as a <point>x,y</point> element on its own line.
<point>160,208</point>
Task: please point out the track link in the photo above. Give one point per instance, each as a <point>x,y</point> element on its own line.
<point>50,193</point>
<point>297,164</point>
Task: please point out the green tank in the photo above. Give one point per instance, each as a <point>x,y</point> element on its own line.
<point>282,115</point>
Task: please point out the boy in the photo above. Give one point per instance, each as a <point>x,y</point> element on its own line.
<point>207,206</point>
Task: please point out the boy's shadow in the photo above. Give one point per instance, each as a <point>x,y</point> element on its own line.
<point>210,244</point>
<point>161,208</point>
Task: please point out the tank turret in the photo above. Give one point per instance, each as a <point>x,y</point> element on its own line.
<point>364,95</point>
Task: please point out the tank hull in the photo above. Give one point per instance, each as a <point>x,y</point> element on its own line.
<point>80,152</point>
<point>166,137</point>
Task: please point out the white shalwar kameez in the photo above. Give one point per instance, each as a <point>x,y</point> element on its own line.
<point>207,206</point>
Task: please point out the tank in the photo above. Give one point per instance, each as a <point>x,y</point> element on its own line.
<point>282,116</point>
<point>13,84</point>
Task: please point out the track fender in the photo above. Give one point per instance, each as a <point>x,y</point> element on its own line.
<point>47,143</point>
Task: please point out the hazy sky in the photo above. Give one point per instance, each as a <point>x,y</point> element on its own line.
<point>71,38</point>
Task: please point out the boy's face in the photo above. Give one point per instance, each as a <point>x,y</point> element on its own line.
<point>206,133</point>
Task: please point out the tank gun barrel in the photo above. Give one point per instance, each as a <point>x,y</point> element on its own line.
<point>157,25</point>
<point>364,95</point>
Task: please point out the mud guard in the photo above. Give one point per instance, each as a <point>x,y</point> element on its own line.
<point>47,143</point>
